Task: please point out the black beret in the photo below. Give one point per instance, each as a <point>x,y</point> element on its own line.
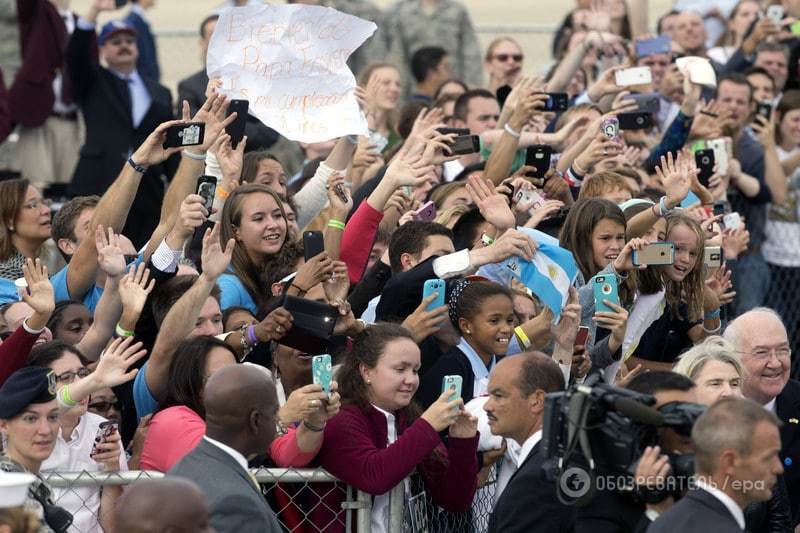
<point>25,387</point>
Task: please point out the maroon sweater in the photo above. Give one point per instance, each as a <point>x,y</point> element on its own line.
<point>355,450</point>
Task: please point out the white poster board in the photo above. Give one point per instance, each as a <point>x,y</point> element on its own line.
<point>289,62</point>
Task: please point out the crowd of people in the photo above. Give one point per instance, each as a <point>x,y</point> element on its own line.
<point>147,327</point>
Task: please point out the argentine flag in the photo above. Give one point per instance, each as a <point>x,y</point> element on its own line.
<point>549,275</point>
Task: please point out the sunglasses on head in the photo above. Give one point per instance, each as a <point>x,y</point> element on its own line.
<point>505,57</point>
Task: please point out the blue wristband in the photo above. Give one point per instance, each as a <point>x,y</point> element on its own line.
<point>711,315</point>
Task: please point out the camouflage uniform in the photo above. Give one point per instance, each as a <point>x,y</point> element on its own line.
<point>38,487</point>
<point>449,26</point>
<point>374,48</point>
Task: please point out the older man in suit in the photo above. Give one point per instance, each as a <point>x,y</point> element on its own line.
<point>241,407</point>
<point>760,338</point>
<point>121,108</point>
<point>515,409</point>
<point>736,446</point>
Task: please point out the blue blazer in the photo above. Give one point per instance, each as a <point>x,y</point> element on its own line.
<point>147,65</point>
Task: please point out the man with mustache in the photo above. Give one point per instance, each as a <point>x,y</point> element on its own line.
<point>120,107</point>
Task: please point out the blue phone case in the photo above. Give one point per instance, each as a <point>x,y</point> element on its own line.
<point>434,285</point>
<point>605,288</point>
<point>322,371</point>
<point>453,383</point>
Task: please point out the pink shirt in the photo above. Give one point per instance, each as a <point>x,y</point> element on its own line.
<point>175,431</point>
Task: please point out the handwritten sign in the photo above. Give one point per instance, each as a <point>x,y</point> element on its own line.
<point>289,62</point>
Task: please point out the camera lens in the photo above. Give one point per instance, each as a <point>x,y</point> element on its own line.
<point>606,288</point>
<point>706,160</point>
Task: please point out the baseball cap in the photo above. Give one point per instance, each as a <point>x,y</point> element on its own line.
<point>112,28</point>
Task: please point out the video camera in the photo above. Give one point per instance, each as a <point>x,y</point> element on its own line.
<point>597,429</point>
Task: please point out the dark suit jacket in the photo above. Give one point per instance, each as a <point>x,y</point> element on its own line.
<point>43,40</point>
<point>697,512</point>
<point>236,505</point>
<point>787,407</point>
<point>111,137</point>
<point>452,363</point>
<point>193,90</point>
<point>529,502</point>
<point>147,65</point>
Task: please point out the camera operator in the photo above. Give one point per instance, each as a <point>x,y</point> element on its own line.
<point>736,446</point>
<point>623,512</point>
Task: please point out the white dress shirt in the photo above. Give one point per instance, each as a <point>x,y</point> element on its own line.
<point>726,500</point>
<point>140,96</point>
<point>230,451</point>
<point>73,456</point>
<point>380,504</point>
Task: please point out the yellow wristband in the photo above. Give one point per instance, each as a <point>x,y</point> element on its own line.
<point>523,338</point>
<point>122,332</point>
<point>222,193</point>
<point>64,397</point>
<point>337,224</point>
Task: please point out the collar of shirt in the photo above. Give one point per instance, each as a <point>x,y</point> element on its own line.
<point>230,451</point>
<point>527,446</point>
<point>726,500</point>
<point>69,19</point>
<point>770,405</point>
<point>391,427</point>
<point>133,76</point>
<point>479,368</point>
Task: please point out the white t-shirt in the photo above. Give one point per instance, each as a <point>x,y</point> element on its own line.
<point>782,244</point>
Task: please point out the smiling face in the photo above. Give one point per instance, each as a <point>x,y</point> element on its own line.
<point>766,356</point>
<point>608,239</point>
<point>489,331</point>
<point>262,228</point>
<point>389,87</point>
<point>686,243</point>
<point>776,64</point>
<point>395,377</point>
<point>32,434</point>
<point>717,379</point>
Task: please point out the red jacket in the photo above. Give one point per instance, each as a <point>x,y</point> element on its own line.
<point>358,238</point>
<point>14,352</point>
<point>355,451</point>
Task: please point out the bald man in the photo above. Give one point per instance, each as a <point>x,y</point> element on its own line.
<point>241,407</point>
<point>162,506</point>
<point>760,339</point>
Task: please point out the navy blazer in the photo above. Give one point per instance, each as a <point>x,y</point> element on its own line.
<point>697,512</point>
<point>147,65</point>
<point>787,407</point>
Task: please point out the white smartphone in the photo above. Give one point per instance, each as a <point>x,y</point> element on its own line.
<point>732,220</point>
<point>633,76</point>
<point>775,12</point>
<point>529,196</point>
<point>720,154</point>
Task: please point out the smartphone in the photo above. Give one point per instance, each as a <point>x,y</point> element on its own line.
<point>190,134</point>
<point>454,384</point>
<point>426,213</point>
<point>206,188</point>
<point>378,141</point>
<point>450,131</point>
<point>650,47</point>
<point>610,127</point>
<point>633,76</point>
<point>313,244</point>
<point>655,253</point>
<point>712,256</point>
<point>236,128</point>
<point>582,336</point>
<point>431,286</point>
<point>502,93</point>
<point>646,102</point>
<point>556,102</point>
<point>104,431</point>
<point>465,144</point>
<point>538,156</point>
<point>704,159</point>
<point>732,221</point>
<point>775,12</point>
<point>720,153</point>
<point>322,371</point>
<point>635,121</point>
<point>605,288</point>
<point>120,3</point>
<point>764,109</point>
<point>720,208</point>
<point>340,191</point>
<point>532,197</point>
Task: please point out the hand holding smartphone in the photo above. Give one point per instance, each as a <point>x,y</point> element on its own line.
<point>322,372</point>
<point>104,431</point>
<point>313,244</point>
<point>236,128</point>
<point>206,189</point>
<point>454,385</point>
<point>605,288</point>
<point>432,286</point>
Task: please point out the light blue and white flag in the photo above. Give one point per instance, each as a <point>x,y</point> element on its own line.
<point>549,275</point>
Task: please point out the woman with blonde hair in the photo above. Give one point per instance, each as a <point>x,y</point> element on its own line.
<point>715,367</point>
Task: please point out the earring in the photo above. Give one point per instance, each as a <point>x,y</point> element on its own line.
<point>369,382</point>
<point>466,331</point>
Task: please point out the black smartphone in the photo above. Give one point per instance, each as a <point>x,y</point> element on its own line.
<point>206,188</point>
<point>502,93</point>
<point>538,156</point>
<point>190,134</point>
<point>449,131</point>
<point>236,128</point>
<point>120,3</point>
<point>704,159</point>
<point>764,109</point>
<point>721,208</point>
<point>646,102</point>
<point>465,144</point>
<point>635,121</point>
<point>556,102</point>
<point>313,244</point>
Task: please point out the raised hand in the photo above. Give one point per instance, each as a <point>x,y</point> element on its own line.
<point>316,270</point>
<point>112,369</point>
<point>230,160</point>
<point>492,205</point>
<point>274,326</point>
<point>134,289</point>
<point>566,330</point>
<point>624,260</point>
<point>110,257</point>
<point>152,151</point>
<point>327,408</point>
<point>338,206</point>
<point>40,292</point>
<point>676,177</point>
<point>338,284</point>
<point>512,242</point>
<point>214,258</point>
<point>408,171</point>
<point>212,113</point>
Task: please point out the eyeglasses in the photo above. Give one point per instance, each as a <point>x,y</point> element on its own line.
<point>782,352</point>
<point>104,407</point>
<point>39,202</point>
<point>69,377</point>
<point>505,57</point>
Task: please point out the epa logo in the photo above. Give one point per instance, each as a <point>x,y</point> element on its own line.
<point>574,482</point>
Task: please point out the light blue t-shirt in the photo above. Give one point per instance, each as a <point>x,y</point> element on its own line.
<point>143,398</point>
<point>234,294</point>
<point>8,291</point>
<point>61,292</point>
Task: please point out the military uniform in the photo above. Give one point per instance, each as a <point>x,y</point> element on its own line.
<point>38,491</point>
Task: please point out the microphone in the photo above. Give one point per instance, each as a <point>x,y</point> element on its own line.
<point>638,411</point>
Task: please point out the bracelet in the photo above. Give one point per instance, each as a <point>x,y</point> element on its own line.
<point>508,129</point>
<point>656,214</point>
<point>662,206</point>
<point>222,193</point>
<point>336,224</point>
<point>312,427</point>
<point>192,155</point>
<point>122,332</point>
<point>577,170</point>
<point>64,398</point>
<point>523,338</point>
<point>138,168</point>
<point>711,315</point>
<point>246,346</point>
<point>251,336</point>
<point>301,291</point>
<point>711,331</point>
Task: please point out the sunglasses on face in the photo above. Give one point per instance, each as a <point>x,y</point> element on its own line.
<point>104,407</point>
<point>505,57</point>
